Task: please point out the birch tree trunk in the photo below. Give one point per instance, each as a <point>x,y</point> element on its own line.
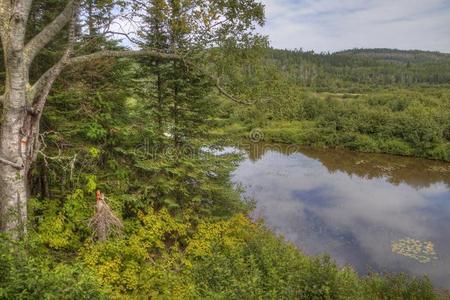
<point>23,105</point>
<point>13,141</point>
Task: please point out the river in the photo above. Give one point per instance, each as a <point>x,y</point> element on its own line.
<point>371,211</point>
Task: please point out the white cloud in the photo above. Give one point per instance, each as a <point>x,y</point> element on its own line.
<point>329,25</point>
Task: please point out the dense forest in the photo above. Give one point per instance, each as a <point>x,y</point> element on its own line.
<point>366,67</point>
<point>123,195</point>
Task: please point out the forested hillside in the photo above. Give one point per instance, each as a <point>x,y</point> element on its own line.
<point>109,186</point>
<point>399,56</point>
<point>355,69</point>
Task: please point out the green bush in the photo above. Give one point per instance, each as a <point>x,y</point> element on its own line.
<point>28,276</point>
<point>396,146</point>
<point>398,287</point>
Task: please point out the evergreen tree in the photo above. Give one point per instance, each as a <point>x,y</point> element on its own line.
<point>176,95</point>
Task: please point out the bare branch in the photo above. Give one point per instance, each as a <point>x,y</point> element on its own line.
<point>42,87</point>
<point>48,33</point>
<point>2,99</point>
<point>127,36</point>
<point>123,53</point>
<point>228,95</point>
<point>104,222</point>
<point>149,53</point>
<point>12,164</point>
<point>44,83</point>
<point>216,81</point>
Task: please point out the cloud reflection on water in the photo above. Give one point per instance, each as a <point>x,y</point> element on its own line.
<point>353,214</point>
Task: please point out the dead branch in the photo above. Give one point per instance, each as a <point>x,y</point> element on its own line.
<point>12,164</point>
<point>123,53</point>
<point>104,223</point>
<point>228,95</point>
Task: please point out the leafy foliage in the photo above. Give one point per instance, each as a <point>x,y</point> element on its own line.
<point>29,274</point>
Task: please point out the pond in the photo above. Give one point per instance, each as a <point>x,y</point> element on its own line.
<point>371,211</point>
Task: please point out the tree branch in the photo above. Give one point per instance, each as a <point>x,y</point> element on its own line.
<point>127,36</point>
<point>12,164</point>
<point>228,95</point>
<point>149,53</point>
<point>40,90</point>
<point>51,74</point>
<point>123,53</point>
<point>48,33</point>
<point>40,84</point>
<point>216,81</point>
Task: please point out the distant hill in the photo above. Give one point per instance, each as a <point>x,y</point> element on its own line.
<point>398,56</point>
<point>374,67</point>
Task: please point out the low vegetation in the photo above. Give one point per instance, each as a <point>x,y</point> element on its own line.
<point>182,257</point>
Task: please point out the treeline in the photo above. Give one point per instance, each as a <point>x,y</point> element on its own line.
<point>362,69</point>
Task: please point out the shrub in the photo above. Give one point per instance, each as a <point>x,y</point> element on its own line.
<point>28,276</point>
<point>398,287</point>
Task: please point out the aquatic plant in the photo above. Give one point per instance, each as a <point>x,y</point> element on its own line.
<point>422,251</point>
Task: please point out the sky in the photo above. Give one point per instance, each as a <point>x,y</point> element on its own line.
<point>334,25</point>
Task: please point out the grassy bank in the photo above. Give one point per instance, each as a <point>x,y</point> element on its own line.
<point>397,121</point>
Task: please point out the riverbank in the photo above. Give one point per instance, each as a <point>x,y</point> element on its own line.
<point>409,121</point>
<point>310,133</point>
<point>228,259</point>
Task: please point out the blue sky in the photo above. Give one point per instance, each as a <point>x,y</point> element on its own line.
<point>333,25</point>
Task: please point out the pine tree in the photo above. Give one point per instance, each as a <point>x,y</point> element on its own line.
<point>153,72</point>
<point>176,95</point>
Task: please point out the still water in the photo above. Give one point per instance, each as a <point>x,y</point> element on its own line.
<point>374,212</point>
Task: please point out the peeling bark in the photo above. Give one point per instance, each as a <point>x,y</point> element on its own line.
<point>13,181</point>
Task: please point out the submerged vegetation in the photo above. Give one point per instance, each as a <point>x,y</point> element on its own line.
<point>138,129</point>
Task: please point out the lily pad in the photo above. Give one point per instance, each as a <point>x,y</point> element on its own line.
<point>422,251</point>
